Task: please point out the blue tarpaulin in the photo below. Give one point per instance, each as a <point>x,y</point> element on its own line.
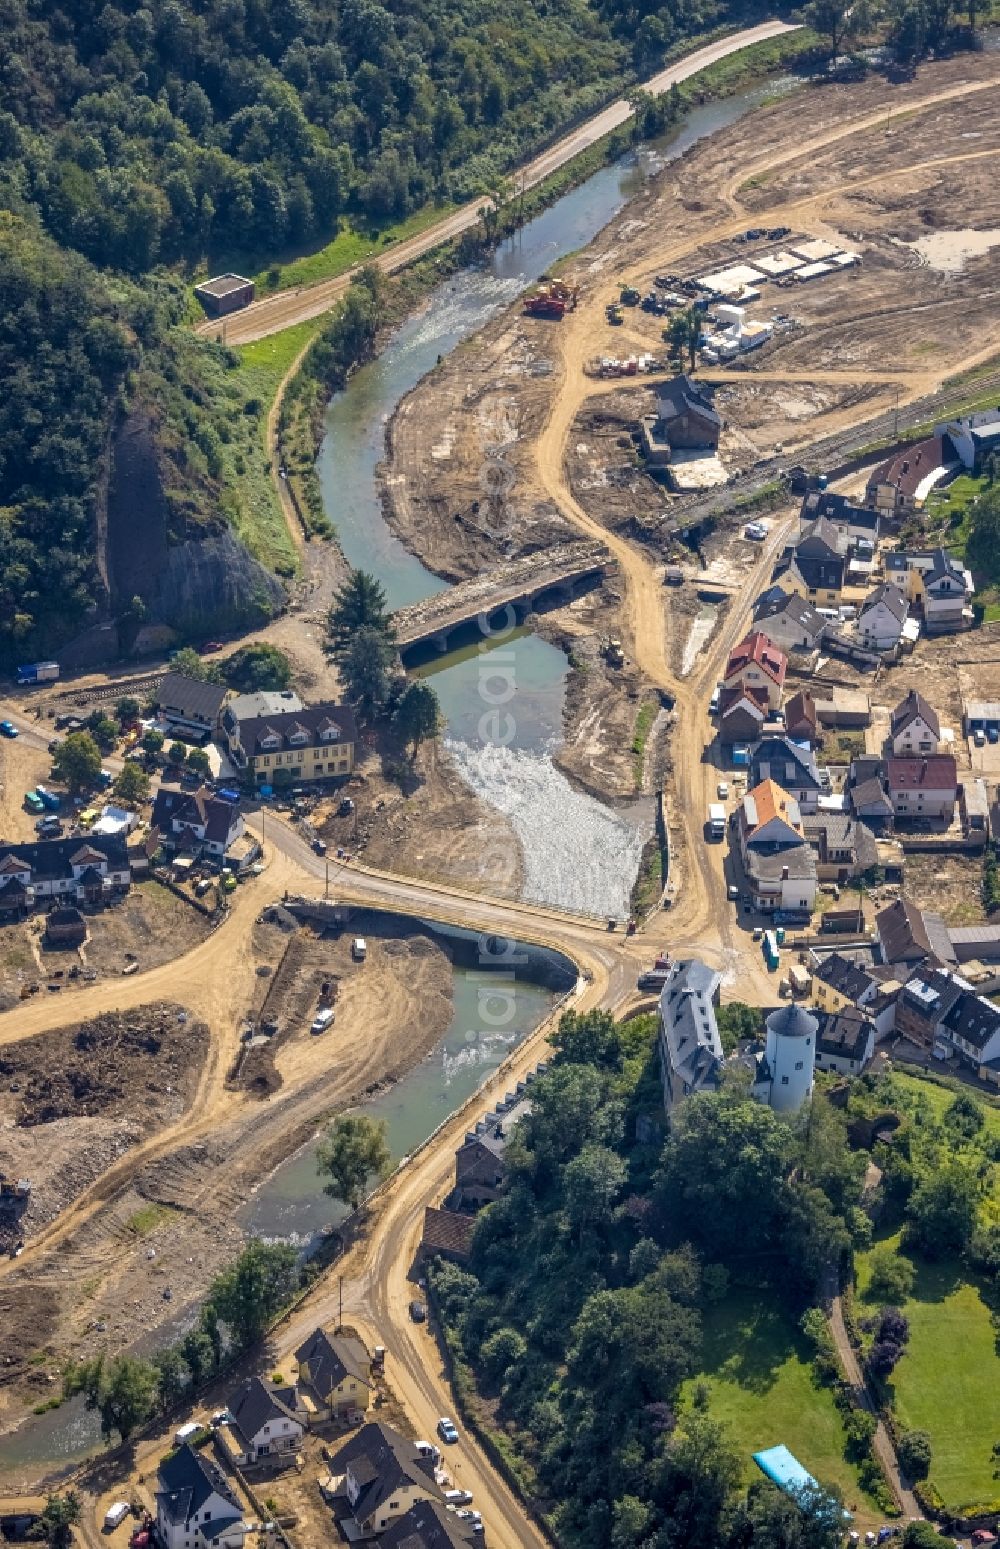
<point>786,1472</point>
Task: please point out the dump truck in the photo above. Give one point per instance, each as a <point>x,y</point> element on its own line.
<point>552,299</point>
<point>614,314</point>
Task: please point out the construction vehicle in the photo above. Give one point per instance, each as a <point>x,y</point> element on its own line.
<point>552,299</point>
<point>630,297</point>
<point>614,653</point>
<point>614,314</point>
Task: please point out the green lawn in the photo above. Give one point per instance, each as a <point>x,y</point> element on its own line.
<point>947,1381</point>
<point>758,1372</point>
<point>264,362</point>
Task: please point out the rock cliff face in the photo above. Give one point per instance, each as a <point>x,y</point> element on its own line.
<point>193,576</point>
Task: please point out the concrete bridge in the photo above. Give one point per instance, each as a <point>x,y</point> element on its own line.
<point>523,586</point>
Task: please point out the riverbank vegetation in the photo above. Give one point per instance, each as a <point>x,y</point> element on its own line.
<point>593,1331</point>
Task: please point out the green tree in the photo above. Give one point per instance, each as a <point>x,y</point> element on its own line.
<point>123,1391</point>
<point>59,1517</point>
<point>924,1535</point>
<point>190,664</point>
<point>738,1023</point>
<point>631,1519</point>
<point>77,761</point>
<point>132,785</point>
<point>197,760</point>
<point>197,1350</point>
<point>353,1151</point>
<point>258,668</point>
<point>683,333</point>
<point>152,741</point>
<point>890,1277</point>
<point>914,1452</point>
<point>177,753</point>
<point>809,1520</point>
<point>834,20</point>
<point>941,1214</point>
<point>360,604</point>
<point>171,1369</point>
<point>591,1183</point>
<point>104,731</point>
<point>588,1038</point>
<point>501,1351</point>
<point>128,709</point>
<point>417,716</point>
<point>365,665</point>
<point>248,1294</point>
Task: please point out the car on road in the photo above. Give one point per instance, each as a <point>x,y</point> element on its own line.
<point>733,893</point>
<point>447,1429</point>
<point>418,1312</point>
<point>458,1497</point>
<point>319,845</point>
<point>473,1518</point>
<point>8,729</point>
<point>722,789</point>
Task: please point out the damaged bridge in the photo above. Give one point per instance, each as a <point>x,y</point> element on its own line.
<point>504,596</point>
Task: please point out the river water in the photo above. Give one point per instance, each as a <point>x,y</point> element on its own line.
<point>578,853</point>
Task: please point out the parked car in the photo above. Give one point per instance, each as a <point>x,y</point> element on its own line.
<point>418,1312</point>
<point>722,790</point>
<point>755,531</point>
<point>319,845</point>
<point>458,1497</point>
<point>8,729</point>
<point>732,893</point>
<point>447,1429</point>
<point>979,737</point>
<point>992,734</point>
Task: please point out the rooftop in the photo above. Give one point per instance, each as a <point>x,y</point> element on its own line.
<point>222,285</point>
<point>190,697</point>
<point>914,707</point>
<point>758,649</point>
<point>937,772</point>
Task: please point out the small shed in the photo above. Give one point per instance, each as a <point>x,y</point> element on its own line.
<point>225,293</point>
<point>65,928</point>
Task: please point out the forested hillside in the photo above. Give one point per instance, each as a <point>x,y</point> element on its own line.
<point>149,132</point>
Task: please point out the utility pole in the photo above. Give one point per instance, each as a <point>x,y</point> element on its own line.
<point>895,422</point>
<point>340,1318</point>
<point>326,890</point>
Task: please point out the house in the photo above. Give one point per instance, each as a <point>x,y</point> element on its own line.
<point>801,718</point>
<point>839,981</point>
<point>845,1041</point>
<point>265,1427</point>
<point>975,438</point>
<point>923,787</point>
<point>691,1056</point>
<point>89,873</point>
<point>791,766</point>
<point>334,1374</point>
<point>195,1507</point>
<point>866,793</point>
<point>317,743</point>
<point>914,727</point>
<point>816,565</point>
<point>883,615</point>
<point>189,707</point>
<point>251,707</point>
<point>743,710</point>
<point>906,934</point>
<point>429,1525</point>
<point>769,819</point>
<point>858,523</point>
<point>844,847</point>
<point>923,1003</point>
<point>789,620</point>
<point>972,1027</point>
<point>848,708</point>
<point>936,583</point>
<point>480,1159</point>
<point>196,820</point>
<point>447,1234</point>
<point>757,663</point>
<point>686,415</point>
<point>65,927</point>
<point>780,866</point>
<point>379,1475</point>
<point>902,483</point>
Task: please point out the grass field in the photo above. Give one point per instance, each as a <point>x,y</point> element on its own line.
<point>757,1369</point>
<point>947,1381</point>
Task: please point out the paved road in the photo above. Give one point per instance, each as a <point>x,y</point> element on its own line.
<point>273,313</point>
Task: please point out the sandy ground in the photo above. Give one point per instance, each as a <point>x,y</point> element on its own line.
<point>21,768</point>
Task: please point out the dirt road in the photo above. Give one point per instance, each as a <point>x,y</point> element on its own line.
<point>273,313</point>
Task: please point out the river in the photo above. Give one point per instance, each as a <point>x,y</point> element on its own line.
<point>578,853</point>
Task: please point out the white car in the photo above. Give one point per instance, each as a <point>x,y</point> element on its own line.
<point>722,790</point>
<point>755,531</point>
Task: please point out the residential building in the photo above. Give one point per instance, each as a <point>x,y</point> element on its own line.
<point>802,718</point>
<point>190,708</point>
<point>972,1026</point>
<point>936,583</point>
<point>447,1234</point>
<point>844,847</point>
<point>924,1001</point>
<point>848,708</point>
<point>65,927</point>
<point>253,707</point>
<point>780,866</point>
<point>757,663</point>
<point>265,1427</point>
<point>883,615</point>
<point>914,727</point>
<point>686,415</point>
<point>317,743</point>
<point>429,1525</point>
<point>923,787</point>
<point>88,873</point>
<point>195,1507</point>
<point>480,1165</point>
<point>816,565</point>
<point>975,438</point>
<point>791,766</point>
<point>845,1041</point>
<point>866,793</point>
<point>743,710</point>
<point>769,819</point>
<point>906,934</point>
<point>854,521</point>
<point>839,981</point>
<point>334,1374</point>
<point>784,1074</point>
<point>379,1476</point>
<point>902,483</point>
<point>789,620</point>
<point>691,1056</point>
<point>196,821</point>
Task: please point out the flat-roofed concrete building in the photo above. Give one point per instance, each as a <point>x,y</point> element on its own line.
<point>225,293</point>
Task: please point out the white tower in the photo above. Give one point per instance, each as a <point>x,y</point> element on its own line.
<point>790,1053</point>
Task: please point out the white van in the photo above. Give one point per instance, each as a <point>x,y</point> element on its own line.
<point>322,1020</point>
<point>359,950</point>
<point>427,1449</point>
<point>116,1514</point>
<point>186,1432</point>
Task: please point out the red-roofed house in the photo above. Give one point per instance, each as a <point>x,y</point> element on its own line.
<point>923,787</point>
<point>757,663</point>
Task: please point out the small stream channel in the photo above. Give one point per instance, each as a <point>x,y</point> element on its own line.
<point>578,853</point>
